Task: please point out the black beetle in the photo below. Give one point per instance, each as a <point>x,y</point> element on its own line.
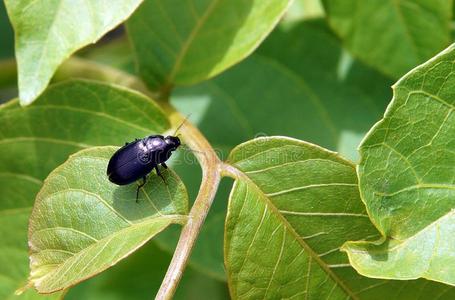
<point>137,159</point>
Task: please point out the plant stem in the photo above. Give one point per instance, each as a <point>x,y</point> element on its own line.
<point>210,164</point>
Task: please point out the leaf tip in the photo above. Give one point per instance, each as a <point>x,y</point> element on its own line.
<point>27,95</point>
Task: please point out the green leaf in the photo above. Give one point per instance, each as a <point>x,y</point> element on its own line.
<point>407,179</point>
<point>34,140</point>
<point>184,43</point>
<point>48,32</point>
<point>393,36</point>
<point>82,223</point>
<point>260,239</point>
<point>293,243</point>
<point>309,195</point>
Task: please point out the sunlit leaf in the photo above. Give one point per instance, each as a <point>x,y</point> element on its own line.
<point>186,42</point>
<point>266,259</point>
<point>284,213</point>
<point>82,223</point>
<point>48,32</point>
<point>407,179</point>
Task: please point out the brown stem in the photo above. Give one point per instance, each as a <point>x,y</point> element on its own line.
<point>211,177</point>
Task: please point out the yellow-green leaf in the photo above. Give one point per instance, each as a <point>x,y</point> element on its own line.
<point>292,206</point>
<point>407,179</point>
<point>48,32</point>
<point>186,42</point>
<point>82,223</point>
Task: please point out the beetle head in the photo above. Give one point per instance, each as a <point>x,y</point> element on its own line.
<point>172,141</point>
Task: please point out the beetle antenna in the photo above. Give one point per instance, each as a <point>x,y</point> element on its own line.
<point>181,124</point>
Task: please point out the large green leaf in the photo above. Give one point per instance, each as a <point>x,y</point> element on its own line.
<point>289,197</point>
<point>36,139</point>
<point>393,36</point>
<point>186,42</point>
<point>407,179</point>
<point>82,223</point>
<point>265,258</point>
<point>291,209</point>
<point>48,32</point>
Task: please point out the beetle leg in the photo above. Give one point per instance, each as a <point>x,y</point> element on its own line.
<point>144,180</point>
<point>159,174</point>
<point>164,165</point>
